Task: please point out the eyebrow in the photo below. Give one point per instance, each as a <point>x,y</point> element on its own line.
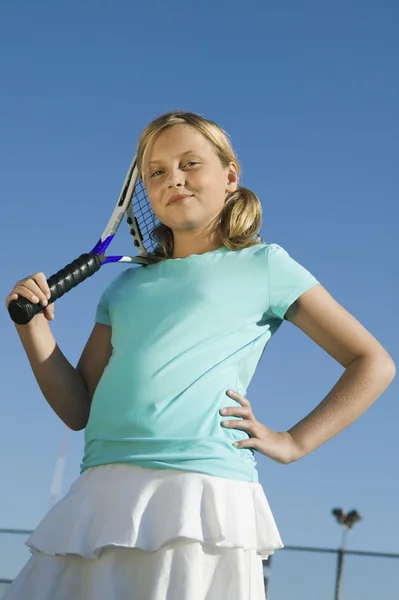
<point>151,162</point>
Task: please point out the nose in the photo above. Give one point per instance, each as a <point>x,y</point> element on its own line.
<point>176,178</point>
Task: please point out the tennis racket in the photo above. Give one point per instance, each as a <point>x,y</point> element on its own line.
<point>133,203</point>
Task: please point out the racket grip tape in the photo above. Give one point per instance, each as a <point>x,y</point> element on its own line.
<point>22,310</point>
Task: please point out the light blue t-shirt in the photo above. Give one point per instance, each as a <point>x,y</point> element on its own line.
<point>184,331</point>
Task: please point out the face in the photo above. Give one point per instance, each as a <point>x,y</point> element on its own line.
<point>185,181</point>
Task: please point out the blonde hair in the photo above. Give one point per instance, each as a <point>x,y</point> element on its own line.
<point>241,216</point>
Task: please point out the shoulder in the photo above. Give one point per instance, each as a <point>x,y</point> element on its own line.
<point>119,281</point>
<point>259,251</point>
<point>279,258</point>
<point>274,250</point>
<point>272,255</point>
<point>266,253</point>
<point>262,254</point>
<point>265,248</point>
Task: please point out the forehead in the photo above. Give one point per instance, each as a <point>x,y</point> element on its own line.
<point>178,140</point>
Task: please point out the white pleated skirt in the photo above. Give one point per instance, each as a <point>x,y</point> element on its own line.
<point>130,533</point>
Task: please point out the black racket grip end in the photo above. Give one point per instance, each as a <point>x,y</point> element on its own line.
<point>22,311</point>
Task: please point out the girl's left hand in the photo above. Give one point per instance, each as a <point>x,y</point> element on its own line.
<point>277,445</point>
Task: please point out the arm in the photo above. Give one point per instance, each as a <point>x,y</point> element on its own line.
<point>68,391</point>
<point>95,357</point>
<point>369,369</point>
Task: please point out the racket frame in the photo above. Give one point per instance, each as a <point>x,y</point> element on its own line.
<point>123,208</point>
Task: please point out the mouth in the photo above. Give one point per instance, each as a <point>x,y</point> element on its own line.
<point>179,198</point>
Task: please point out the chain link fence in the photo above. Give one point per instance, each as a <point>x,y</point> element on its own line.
<point>294,573</point>
<point>13,555</point>
<point>308,573</point>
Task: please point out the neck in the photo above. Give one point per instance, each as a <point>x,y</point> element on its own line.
<point>183,246</point>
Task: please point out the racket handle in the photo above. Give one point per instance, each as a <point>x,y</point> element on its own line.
<point>22,311</point>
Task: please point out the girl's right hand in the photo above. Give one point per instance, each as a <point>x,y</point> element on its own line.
<point>35,289</point>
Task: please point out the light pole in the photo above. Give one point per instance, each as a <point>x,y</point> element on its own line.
<point>266,574</point>
<point>347,520</point>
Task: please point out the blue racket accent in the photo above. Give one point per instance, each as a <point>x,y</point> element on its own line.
<point>101,246</point>
<point>113,259</point>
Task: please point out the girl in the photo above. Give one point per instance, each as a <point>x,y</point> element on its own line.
<point>168,505</point>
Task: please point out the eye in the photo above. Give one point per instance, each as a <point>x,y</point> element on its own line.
<point>191,163</point>
<point>156,173</point>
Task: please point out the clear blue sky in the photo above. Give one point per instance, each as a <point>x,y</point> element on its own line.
<point>309,92</point>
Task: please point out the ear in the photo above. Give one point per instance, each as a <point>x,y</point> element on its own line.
<point>232,178</point>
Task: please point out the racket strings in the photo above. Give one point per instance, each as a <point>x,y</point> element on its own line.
<point>145,217</point>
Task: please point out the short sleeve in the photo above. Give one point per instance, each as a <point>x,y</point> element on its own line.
<point>288,280</point>
<point>105,306</point>
<point>102,311</point>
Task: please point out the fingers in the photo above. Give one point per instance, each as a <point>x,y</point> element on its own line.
<point>34,288</point>
<point>248,426</point>
<point>240,399</point>
<point>252,443</point>
<point>245,411</point>
<point>247,422</point>
<point>48,312</point>
<point>236,412</point>
<point>11,297</point>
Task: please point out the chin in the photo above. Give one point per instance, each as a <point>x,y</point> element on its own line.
<point>183,223</point>
<point>185,226</point>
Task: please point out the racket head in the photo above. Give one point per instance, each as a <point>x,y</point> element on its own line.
<point>134,203</point>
